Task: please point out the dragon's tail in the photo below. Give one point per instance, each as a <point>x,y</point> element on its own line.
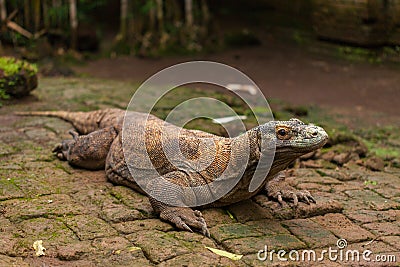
<point>83,122</point>
<point>65,115</point>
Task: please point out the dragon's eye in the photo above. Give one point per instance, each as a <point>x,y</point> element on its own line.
<point>282,132</point>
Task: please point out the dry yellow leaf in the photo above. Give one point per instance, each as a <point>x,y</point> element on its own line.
<point>133,249</point>
<point>223,253</point>
<point>38,247</point>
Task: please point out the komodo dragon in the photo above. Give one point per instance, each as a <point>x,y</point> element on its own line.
<point>97,144</point>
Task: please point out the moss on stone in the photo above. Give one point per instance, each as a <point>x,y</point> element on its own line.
<point>17,77</point>
<point>11,66</point>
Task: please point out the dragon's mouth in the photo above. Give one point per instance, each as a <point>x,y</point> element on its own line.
<point>303,146</point>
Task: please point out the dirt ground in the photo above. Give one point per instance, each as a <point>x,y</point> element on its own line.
<point>291,73</point>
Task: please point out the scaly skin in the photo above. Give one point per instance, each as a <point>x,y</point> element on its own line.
<point>84,122</point>
<point>103,146</point>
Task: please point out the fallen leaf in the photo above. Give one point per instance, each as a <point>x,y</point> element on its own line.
<point>38,247</point>
<point>134,249</point>
<point>223,253</point>
<point>230,215</point>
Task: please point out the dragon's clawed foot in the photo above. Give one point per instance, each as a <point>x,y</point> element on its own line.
<point>185,219</point>
<point>278,189</point>
<point>62,149</point>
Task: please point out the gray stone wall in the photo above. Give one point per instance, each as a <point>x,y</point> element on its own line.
<point>361,22</point>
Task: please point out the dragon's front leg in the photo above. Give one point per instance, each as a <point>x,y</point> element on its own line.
<point>183,217</point>
<point>280,190</point>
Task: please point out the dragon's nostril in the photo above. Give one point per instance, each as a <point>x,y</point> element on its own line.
<point>315,133</point>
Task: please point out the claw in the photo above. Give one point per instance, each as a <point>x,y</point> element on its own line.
<point>278,189</point>
<point>186,227</point>
<point>185,219</point>
<point>181,224</point>
<point>280,200</point>
<point>57,148</point>
<point>205,232</point>
<point>306,199</point>
<point>204,229</point>
<point>312,199</point>
<point>295,200</point>
<point>62,149</point>
<point>74,134</point>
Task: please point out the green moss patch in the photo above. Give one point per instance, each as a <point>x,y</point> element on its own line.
<point>17,77</point>
<point>11,66</point>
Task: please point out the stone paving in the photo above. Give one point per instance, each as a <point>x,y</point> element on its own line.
<point>84,220</point>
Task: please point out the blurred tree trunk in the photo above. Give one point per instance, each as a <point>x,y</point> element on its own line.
<point>46,18</point>
<point>36,13</point>
<point>124,19</point>
<point>3,16</point>
<point>189,13</point>
<point>73,17</point>
<point>133,24</point>
<point>3,10</point>
<point>205,12</point>
<point>147,40</point>
<point>160,15</point>
<point>174,8</point>
<point>152,20</point>
<point>56,5</point>
<point>27,14</point>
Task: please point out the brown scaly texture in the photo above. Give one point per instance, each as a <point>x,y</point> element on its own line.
<point>146,141</point>
<point>84,122</point>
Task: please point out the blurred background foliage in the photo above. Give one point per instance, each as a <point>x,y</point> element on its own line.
<point>138,26</point>
<point>160,27</point>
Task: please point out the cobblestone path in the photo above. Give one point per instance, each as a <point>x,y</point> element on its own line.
<point>84,220</point>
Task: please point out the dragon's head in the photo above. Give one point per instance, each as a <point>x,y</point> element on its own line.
<point>280,143</point>
<point>298,137</point>
<point>294,138</point>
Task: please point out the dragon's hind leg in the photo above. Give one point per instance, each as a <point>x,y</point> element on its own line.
<point>87,151</point>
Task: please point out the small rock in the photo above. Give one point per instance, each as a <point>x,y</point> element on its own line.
<point>328,156</point>
<point>354,156</point>
<point>340,174</point>
<point>395,163</point>
<point>341,158</point>
<point>359,162</point>
<point>361,149</point>
<point>310,164</point>
<point>375,164</point>
<point>308,155</point>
